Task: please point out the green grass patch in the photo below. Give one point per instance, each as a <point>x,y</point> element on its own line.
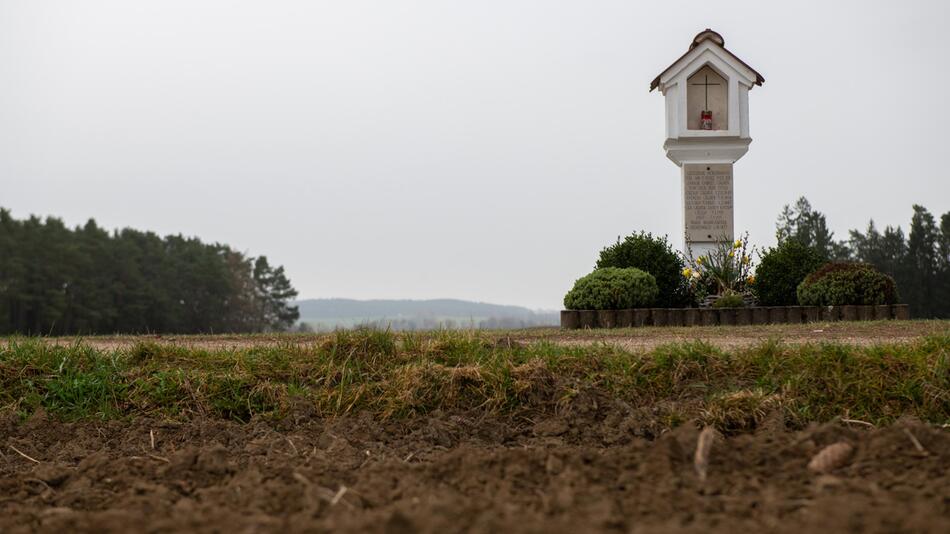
<point>394,375</point>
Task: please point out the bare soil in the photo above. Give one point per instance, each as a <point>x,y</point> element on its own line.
<point>594,467</point>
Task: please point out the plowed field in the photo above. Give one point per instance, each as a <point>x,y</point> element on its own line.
<point>587,471</point>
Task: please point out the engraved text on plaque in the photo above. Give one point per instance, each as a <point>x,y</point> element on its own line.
<point>707,202</point>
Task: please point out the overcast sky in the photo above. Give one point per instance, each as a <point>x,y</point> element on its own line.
<point>483,150</point>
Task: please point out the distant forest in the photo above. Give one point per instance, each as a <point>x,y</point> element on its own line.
<point>57,280</point>
<point>327,314</point>
<point>919,261</point>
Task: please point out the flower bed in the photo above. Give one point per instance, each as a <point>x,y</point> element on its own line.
<point>572,319</point>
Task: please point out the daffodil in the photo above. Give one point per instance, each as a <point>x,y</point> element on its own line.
<point>699,260</point>
<point>737,244</point>
<point>745,259</point>
<point>687,272</point>
<point>732,254</point>
<point>750,279</point>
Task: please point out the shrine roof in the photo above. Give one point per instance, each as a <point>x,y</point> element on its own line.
<point>708,35</point>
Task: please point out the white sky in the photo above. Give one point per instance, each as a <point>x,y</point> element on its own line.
<point>483,150</point>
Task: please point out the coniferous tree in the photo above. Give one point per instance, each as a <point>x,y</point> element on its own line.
<point>273,293</point>
<point>943,266</point>
<point>887,252</point>
<point>922,260</point>
<point>810,228</point>
<point>56,280</point>
<point>943,246</point>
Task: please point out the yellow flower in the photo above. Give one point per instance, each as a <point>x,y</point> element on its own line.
<point>745,259</point>
<point>732,254</point>
<point>699,260</point>
<point>737,244</point>
<point>750,279</point>
<point>687,272</point>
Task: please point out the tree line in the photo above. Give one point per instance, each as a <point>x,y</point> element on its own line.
<point>919,261</point>
<point>56,280</point>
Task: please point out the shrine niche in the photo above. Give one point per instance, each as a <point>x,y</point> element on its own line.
<point>707,102</point>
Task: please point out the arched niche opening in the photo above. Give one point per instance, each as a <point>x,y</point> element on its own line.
<point>707,102</point>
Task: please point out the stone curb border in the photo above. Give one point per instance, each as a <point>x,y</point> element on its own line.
<point>573,319</point>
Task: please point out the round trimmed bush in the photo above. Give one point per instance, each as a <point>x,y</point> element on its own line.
<point>612,288</point>
<point>842,284</point>
<point>655,256</point>
<point>781,270</point>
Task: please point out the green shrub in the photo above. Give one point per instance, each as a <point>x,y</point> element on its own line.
<point>841,284</point>
<point>781,270</point>
<point>655,256</point>
<point>611,288</point>
<point>732,300</point>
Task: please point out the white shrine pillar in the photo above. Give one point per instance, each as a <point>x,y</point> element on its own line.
<point>707,130</point>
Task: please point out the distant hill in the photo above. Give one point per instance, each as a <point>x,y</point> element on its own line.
<point>326,314</point>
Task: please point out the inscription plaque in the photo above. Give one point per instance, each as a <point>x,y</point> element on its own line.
<point>707,202</point>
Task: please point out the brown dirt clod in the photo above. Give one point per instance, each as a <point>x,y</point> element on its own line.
<point>831,457</point>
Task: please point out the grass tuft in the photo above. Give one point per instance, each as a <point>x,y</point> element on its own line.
<point>394,375</point>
